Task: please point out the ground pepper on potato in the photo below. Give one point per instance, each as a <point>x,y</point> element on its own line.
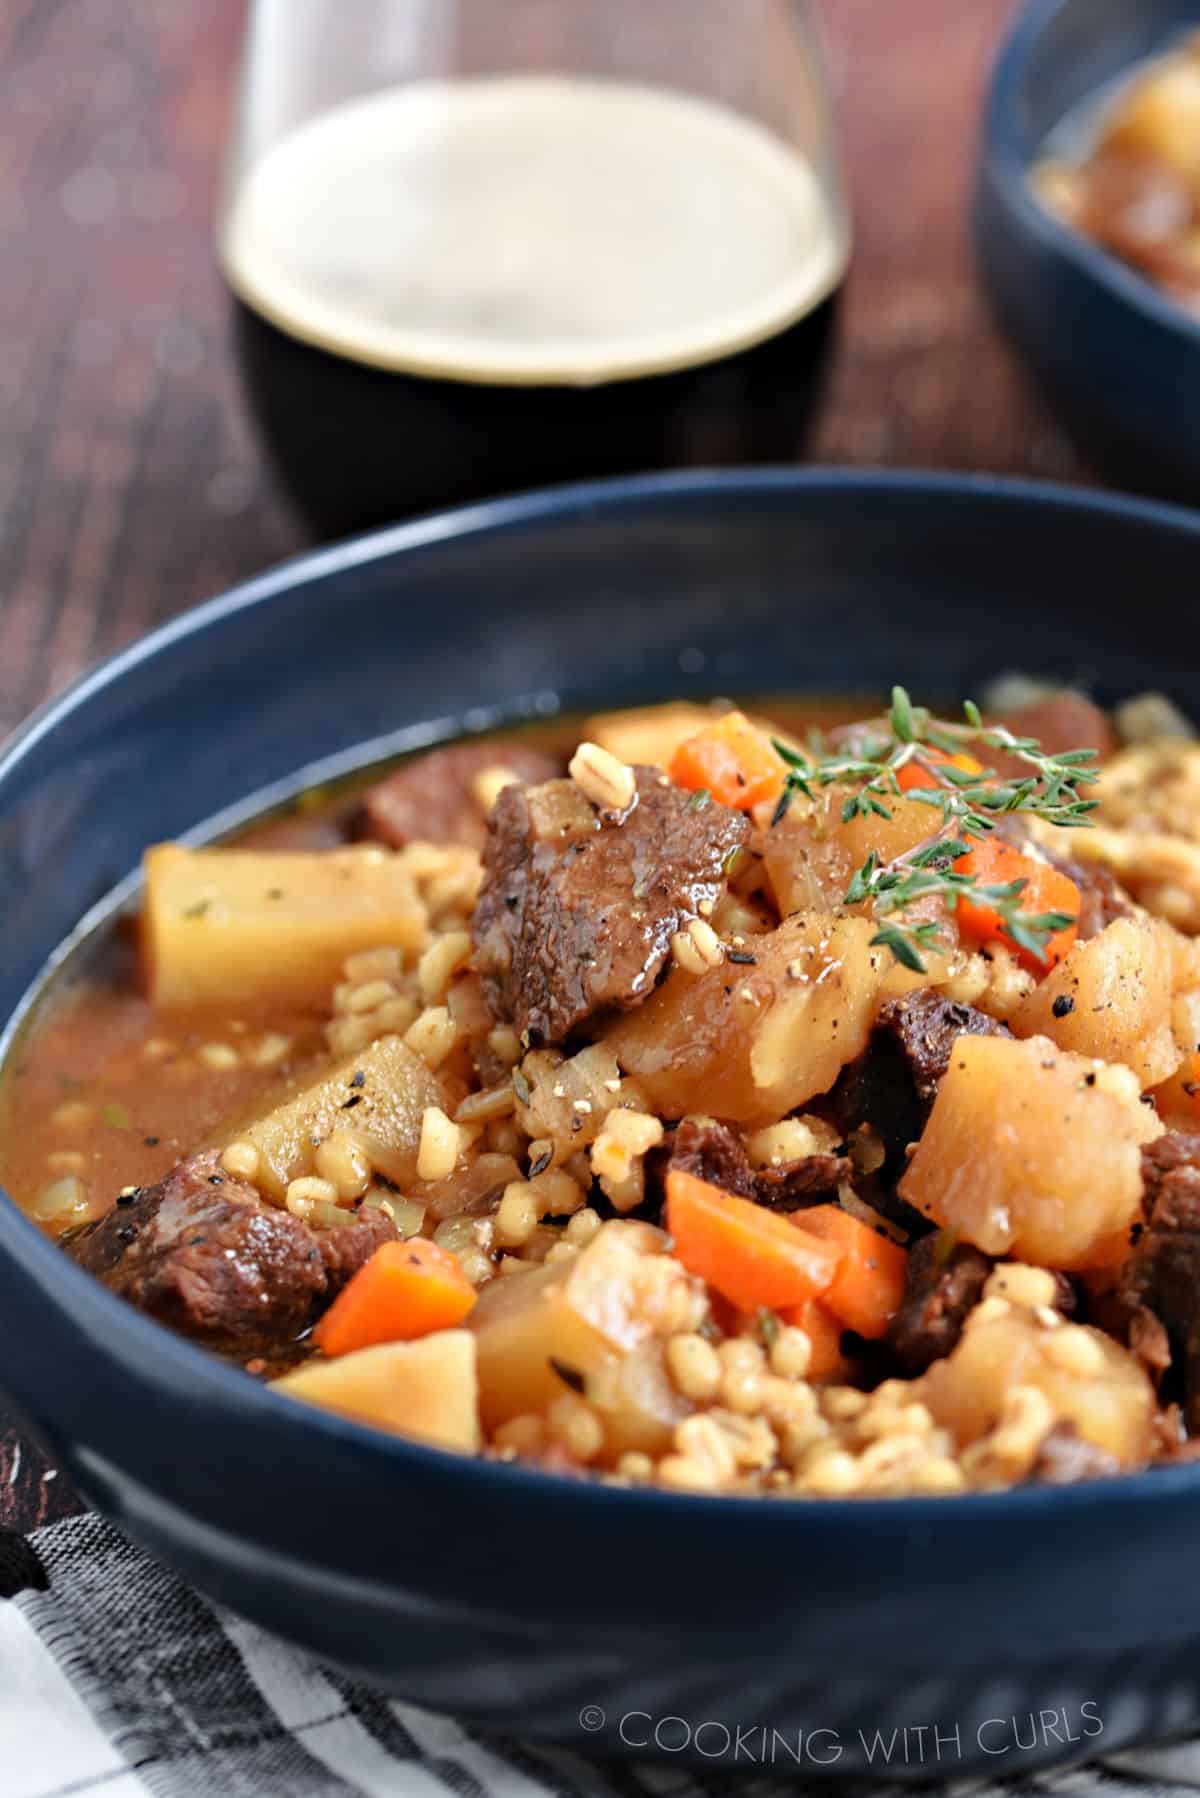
<point>703,1107</point>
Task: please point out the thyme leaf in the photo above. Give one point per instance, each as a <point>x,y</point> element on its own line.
<point>969,802</point>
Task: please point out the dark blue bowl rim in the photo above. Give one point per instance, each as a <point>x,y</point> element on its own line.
<point>184,1363</point>
<point>1006,160</point>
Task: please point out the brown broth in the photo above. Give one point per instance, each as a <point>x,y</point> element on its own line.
<point>101,1074</point>
<point>137,1078</point>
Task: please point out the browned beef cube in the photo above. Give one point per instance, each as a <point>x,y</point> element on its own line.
<point>1060,722</point>
<point>893,1084</point>
<point>208,1256</point>
<point>712,1152</point>
<point>942,1291</point>
<point>795,1185</point>
<point>1160,1282</point>
<point>578,907</point>
<point>430,799</point>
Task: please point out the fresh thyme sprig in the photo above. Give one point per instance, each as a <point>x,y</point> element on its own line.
<point>970,801</point>
<point>930,870</point>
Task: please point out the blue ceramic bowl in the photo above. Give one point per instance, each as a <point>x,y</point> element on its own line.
<point>1121,359</point>
<point>1023,1626</point>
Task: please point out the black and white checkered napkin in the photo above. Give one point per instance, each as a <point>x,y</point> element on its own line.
<point>117,1680</point>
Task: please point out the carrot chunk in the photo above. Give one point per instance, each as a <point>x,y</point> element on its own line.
<point>912,774</point>
<point>993,863</point>
<point>733,760</point>
<point>1178,1096</point>
<point>748,1254</point>
<point>868,1288</point>
<point>1191,1084</point>
<point>405,1290</point>
<point>824,1332</point>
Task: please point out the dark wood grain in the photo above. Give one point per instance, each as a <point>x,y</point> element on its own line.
<point>923,378</point>
<point>130,483</point>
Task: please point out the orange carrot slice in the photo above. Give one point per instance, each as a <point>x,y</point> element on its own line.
<point>1191,1085</point>
<point>912,774</point>
<point>995,862</point>
<point>868,1288</point>
<point>748,1254</point>
<point>406,1289</point>
<point>731,759</point>
<point>824,1332</point>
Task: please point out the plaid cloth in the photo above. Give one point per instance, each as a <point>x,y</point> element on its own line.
<point>117,1680</point>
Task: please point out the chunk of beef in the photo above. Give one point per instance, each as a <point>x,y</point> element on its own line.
<point>1160,1281</point>
<point>941,1292</point>
<point>794,1185</point>
<point>926,1026</point>
<point>1060,722</point>
<point>1066,1457</point>
<point>431,799</point>
<point>577,909</point>
<point>206,1255</point>
<point>894,1082</point>
<point>712,1152</point>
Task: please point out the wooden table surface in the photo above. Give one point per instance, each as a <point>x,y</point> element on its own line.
<point>130,482</point>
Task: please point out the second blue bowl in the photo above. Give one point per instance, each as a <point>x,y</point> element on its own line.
<point>1121,359</point>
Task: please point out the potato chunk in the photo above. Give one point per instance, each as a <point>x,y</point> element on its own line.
<point>243,927</point>
<point>1032,1153</point>
<point>812,853</point>
<point>647,734</point>
<point>426,1388</point>
<point>1088,1379</point>
<point>751,1042</point>
<point>618,1292</point>
<point>1110,997</point>
<point>377,1096</point>
<point>636,1403</point>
